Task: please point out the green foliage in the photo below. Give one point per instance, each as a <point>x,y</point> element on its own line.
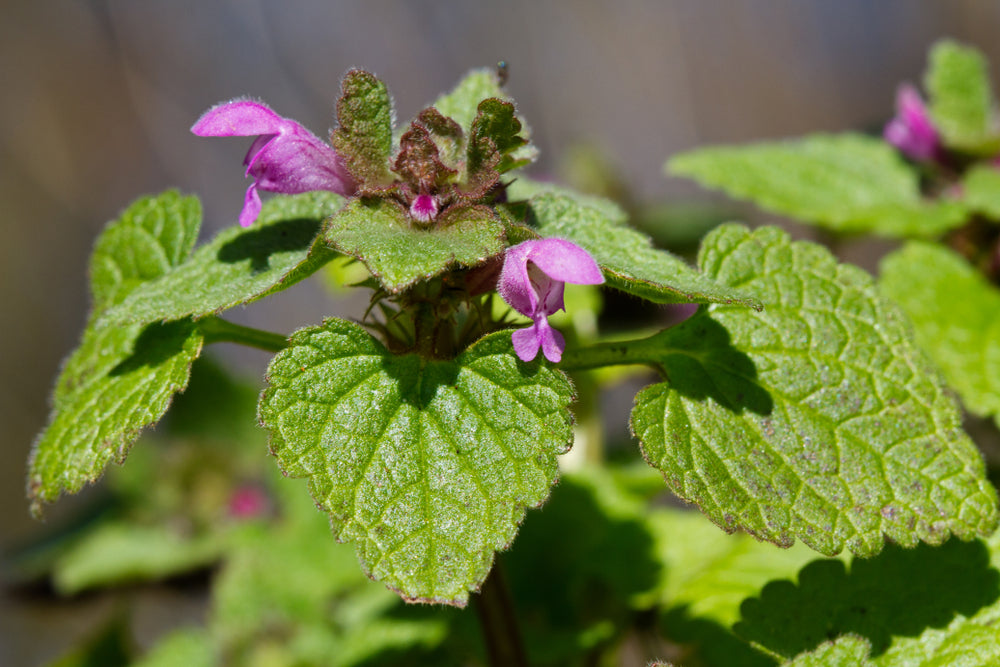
<point>627,258</point>
<point>845,650</point>
<point>123,552</point>
<point>378,232</point>
<point>152,236</point>
<point>121,378</point>
<point>495,135</point>
<point>364,135</point>
<point>817,419</point>
<point>239,265</point>
<point>189,647</point>
<point>981,190</point>
<point>956,318</point>
<point>846,183</point>
<point>461,104</point>
<point>961,99</point>
<point>428,466</point>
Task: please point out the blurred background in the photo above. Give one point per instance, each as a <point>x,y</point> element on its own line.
<point>98,96</point>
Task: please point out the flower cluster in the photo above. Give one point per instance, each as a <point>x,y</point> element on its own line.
<point>284,157</point>
<point>912,131</point>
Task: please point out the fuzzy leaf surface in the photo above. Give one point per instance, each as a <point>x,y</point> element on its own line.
<point>240,265</point>
<point>461,104</point>
<point>120,379</point>
<point>364,135</point>
<point>847,183</point>
<point>427,466</point>
<point>379,233</point>
<point>961,99</point>
<point>627,257</point>
<point>818,418</point>
<point>152,236</point>
<point>956,318</point>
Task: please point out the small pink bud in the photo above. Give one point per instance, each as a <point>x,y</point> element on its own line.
<point>424,208</point>
<point>248,502</point>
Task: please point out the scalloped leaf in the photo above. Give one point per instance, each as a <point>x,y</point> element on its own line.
<point>817,419</point>
<point>120,379</point>
<point>364,134</point>
<point>461,104</point>
<point>427,466</point>
<point>627,257</point>
<point>961,98</point>
<point>846,182</point>
<point>956,318</point>
<point>378,232</point>
<point>240,265</point>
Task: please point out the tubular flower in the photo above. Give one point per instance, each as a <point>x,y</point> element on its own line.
<point>284,157</point>
<point>912,131</point>
<point>532,281</point>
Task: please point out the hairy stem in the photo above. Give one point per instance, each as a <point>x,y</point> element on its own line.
<point>218,330</point>
<point>644,351</point>
<point>504,646</point>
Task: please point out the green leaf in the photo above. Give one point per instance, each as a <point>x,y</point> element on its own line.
<point>929,606</point>
<point>378,232</point>
<point>428,466</point>
<point>956,318</point>
<point>461,104</point>
<point>817,419</point>
<point>121,378</point>
<point>152,236</point>
<point>961,99</point>
<point>847,183</point>
<point>123,552</point>
<point>845,650</point>
<point>240,265</point>
<point>495,132</point>
<point>364,135</point>
<point>981,190</point>
<point>627,258</point>
<point>110,646</point>
<point>188,647</point>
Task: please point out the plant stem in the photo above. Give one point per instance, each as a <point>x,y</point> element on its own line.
<point>218,330</point>
<point>645,351</point>
<point>504,646</point>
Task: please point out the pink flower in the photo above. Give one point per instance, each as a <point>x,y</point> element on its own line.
<point>912,130</point>
<point>284,157</point>
<point>532,281</point>
<point>247,502</point>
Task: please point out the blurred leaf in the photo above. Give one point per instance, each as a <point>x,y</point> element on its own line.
<point>378,232</point>
<point>118,552</point>
<point>568,607</point>
<point>240,265</point>
<point>846,183</point>
<point>961,99</point>
<point>111,646</point>
<point>627,257</point>
<point>817,419</point>
<point>981,190</point>
<point>427,465</point>
<point>189,647</point>
<point>956,318</point>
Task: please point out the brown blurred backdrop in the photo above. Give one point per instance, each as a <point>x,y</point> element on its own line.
<point>98,96</point>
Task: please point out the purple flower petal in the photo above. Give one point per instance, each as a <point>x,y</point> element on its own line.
<point>532,282</point>
<point>912,131</point>
<point>285,157</point>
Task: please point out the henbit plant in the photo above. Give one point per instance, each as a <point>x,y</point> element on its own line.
<point>796,404</point>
